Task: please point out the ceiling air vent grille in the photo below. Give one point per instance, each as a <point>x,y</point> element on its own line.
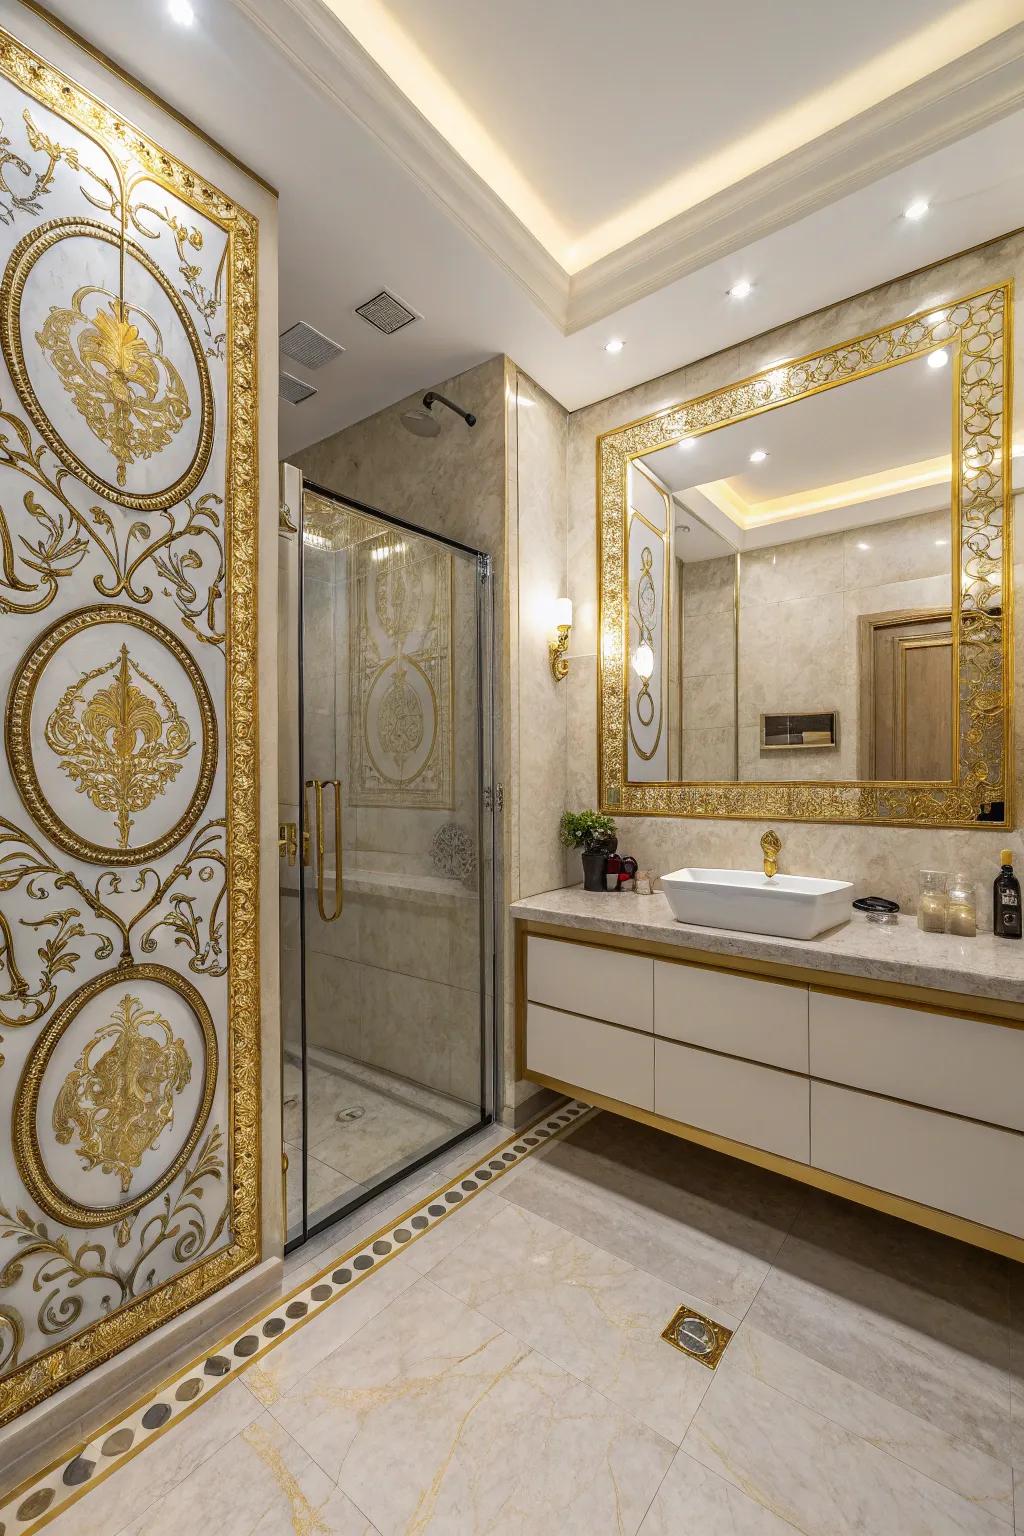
<point>386,313</point>
<point>294,390</point>
<point>309,346</point>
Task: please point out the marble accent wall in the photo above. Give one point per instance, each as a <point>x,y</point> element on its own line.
<point>708,736</point>
<point>878,859</point>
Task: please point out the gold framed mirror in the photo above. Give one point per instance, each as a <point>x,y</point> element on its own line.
<point>806,586</point>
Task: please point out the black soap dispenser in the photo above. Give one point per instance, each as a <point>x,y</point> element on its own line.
<point>1006,913</point>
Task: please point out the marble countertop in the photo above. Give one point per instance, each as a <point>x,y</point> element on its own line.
<point>981,967</point>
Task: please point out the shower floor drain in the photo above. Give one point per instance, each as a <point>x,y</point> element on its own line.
<point>697,1336</point>
<point>354,1112</point>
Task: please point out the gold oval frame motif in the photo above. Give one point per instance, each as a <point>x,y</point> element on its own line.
<point>12,288</point>
<point>392,661</point>
<point>977,329</point>
<point>27,1153</point>
<point>18,735</point>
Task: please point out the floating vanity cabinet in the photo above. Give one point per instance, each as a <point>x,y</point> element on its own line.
<point>905,1099</point>
<point>761,1020</point>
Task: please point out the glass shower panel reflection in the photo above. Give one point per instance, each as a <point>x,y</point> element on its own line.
<point>395,871</point>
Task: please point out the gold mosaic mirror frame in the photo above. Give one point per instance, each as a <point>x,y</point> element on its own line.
<point>977,331</point>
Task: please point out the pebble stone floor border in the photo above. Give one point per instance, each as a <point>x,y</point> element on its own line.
<point>48,1493</point>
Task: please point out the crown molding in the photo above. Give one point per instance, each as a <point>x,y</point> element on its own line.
<point>964,96</point>
<point>323,49</point>
<point>976,90</point>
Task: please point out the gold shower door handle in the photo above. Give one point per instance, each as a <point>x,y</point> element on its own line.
<point>318,786</point>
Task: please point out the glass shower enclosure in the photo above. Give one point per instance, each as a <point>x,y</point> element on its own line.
<point>387,856</point>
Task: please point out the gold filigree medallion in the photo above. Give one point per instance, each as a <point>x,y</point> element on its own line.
<point>117,746</point>
<point>110,357</point>
<point>129,394</point>
<point>117,1101</point>
<point>119,1095</point>
<point>121,745</point>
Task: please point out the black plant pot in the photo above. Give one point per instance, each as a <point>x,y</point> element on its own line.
<point>594,865</point>
<point>595,861</point>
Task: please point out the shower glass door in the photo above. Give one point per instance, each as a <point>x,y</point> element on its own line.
<point>395,852</point>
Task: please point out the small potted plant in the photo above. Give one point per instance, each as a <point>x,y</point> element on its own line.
<point>594,834</point>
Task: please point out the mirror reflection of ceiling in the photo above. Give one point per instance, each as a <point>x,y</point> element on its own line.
<point>873,450</point>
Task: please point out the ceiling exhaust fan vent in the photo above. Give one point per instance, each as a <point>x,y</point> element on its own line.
<point>294,390</point>
<point>386,313</point>
<point>309,346</point>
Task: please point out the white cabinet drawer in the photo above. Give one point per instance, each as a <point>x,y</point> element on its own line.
<point>739,1015</point>
<point>970,1068</point>
<point>954,1165</point>
<point>588,1054</point>
<point>604,983</point>
<point>747,1103</point>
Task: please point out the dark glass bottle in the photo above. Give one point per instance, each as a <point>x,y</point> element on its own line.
<point>1006,912</point>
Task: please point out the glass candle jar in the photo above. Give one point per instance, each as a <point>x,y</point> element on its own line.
<point>962,912</point>
<point>933,900</point>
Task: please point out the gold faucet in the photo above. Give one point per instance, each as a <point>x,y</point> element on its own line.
<point>771,847</point>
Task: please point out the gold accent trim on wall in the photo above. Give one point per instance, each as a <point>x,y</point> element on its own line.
<point>199,1276</point>
<point>978,330</point>
<point>136,84</point>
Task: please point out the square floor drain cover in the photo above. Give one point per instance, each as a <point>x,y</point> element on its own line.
<point>697,1336</point>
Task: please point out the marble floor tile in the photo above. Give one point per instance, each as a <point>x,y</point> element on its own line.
<point>386,1133</point>
<point>915,1318</point>
<point>260,1484</point>
<point>465,1221</point>
<point>977,1477</point>
<point>272,1377</point>
<point>325,1186</point>
<point>700,1221</point>
<point>433,1419</point>
<point>149,1477</point>
<point>589,1311</point>
<point>694,1501</point>
<point>820,1477</point>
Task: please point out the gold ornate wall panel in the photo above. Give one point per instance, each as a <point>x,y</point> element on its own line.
<point>129,1023</point>
<point>976,331</point>
<point>400,603</point>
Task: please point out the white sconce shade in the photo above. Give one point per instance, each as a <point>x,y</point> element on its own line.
<point>643,661</point>
<point>563,612</point>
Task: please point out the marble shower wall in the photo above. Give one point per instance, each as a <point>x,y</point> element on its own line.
<point>878,859</point>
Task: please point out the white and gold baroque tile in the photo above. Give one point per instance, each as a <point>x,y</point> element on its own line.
<point>127,318</point>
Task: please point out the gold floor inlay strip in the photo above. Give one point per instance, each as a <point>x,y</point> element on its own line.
<point>39,1499</point>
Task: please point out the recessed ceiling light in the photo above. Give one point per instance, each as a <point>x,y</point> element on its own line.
<point>615,345</point>
<point>741,290</point>
<point>758,456</point>
<point>938,359</point>
<point>862,545</point>
<point>916,210</point>
<point>181,12</point>
<point>688,443</point>
<point>941,543</point>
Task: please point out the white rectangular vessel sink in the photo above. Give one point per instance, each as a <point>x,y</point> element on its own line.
<point>789,906</point>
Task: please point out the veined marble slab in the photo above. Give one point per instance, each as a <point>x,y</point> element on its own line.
<point>981,967</point>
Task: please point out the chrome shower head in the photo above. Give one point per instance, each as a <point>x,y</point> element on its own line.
<point>420,423</point>
<point>423,423</point>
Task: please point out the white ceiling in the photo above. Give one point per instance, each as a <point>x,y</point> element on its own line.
<point>366,204</point>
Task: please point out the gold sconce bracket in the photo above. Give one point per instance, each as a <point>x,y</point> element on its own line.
<point>556,650</point>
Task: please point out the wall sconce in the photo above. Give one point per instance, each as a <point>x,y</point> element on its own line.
<point>557,648</point>
<point>643,661</point>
